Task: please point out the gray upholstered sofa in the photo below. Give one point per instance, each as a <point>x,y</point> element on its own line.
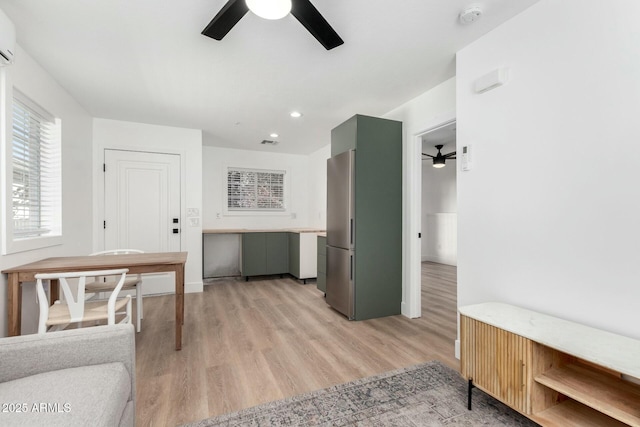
<point>80,377</point>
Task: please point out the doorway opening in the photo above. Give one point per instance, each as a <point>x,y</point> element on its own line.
<point>439,225</point>
<point>430,236</point>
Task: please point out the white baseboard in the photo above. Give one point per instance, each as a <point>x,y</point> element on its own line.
<point>439,260</point>
<point>457,349</point>
<point>193,287</point>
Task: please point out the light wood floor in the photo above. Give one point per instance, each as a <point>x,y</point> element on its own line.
<point>246,343</point>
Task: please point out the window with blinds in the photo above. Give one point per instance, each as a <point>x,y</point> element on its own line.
<point>255,190</point>
<point>36,170</point>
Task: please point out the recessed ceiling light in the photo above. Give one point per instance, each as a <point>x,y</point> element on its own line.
<point>296,114</point>
<point>274,135</point>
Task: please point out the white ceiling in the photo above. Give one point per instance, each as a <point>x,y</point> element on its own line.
<point>445,136</point>
<point>146,61</point>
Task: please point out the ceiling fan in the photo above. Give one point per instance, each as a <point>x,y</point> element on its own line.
<point>439,159</point>
<point>302,10</point>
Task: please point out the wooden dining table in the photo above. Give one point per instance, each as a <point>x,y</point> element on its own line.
<point>160,262</point>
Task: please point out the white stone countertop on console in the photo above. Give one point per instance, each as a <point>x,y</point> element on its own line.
<point>248,230</point>
<point>622,354</point>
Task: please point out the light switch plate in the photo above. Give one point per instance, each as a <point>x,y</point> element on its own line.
<point>194,222</point>
<point>193,212</point>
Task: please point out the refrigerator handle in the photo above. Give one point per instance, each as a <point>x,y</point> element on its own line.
<point>351,230</point>
<point>351,268</point>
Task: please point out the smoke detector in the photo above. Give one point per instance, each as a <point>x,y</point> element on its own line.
<point>470,14</point>
<point>268,142</point>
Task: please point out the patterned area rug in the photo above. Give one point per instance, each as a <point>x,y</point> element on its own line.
<point>430,394</point>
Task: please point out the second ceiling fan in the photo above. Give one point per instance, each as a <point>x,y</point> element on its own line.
<point>440,159</point>
<point>302,10</point>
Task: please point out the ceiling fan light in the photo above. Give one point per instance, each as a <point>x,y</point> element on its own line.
<point>438,162</point>
<point>270,9</point>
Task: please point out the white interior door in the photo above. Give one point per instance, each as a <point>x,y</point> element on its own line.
<point>142,206</point>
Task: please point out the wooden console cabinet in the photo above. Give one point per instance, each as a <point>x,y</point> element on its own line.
<point>555,372</point>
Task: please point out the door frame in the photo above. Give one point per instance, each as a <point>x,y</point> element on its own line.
<point>412,247</point>
<point>98,235</point>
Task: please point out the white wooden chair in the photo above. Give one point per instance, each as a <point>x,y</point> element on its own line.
<point>106,284</point>
<point>74,308</point>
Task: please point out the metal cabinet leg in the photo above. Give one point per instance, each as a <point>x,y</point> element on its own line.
<point>470,387</point>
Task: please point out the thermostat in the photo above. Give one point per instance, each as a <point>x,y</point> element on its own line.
<point>467,161</point>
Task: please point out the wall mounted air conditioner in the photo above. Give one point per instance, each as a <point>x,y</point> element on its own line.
<point>7,39</point>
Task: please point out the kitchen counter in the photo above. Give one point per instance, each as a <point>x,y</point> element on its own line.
<point>247,230</point>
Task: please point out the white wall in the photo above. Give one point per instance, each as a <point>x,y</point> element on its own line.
<point>439,213</point>
<point>318,187</point>
<point>116,134</point>
<point>215,162</point>
<point>37,84</point>
<point>549,216</point>
<point>418,115</point>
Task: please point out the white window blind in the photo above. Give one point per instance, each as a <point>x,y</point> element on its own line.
<point>255,189</point>
<point>36,192</point>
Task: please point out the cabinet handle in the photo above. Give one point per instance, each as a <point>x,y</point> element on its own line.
<point>521,374</point>
<point>351,230</point>
<point>351,267</point>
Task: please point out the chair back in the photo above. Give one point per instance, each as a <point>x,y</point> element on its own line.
<point>75,303</point>
<point>118,252</point>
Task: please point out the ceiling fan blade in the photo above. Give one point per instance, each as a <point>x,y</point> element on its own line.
<point>315,23</point>
<point>224,20</point>
<point>448,156</point>
<point>425,154</point>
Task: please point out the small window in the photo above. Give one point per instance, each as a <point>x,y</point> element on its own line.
<point>36,169</point>
<point>255,190</point>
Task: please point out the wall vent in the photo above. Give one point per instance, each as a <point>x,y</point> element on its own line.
<point>268,142</point>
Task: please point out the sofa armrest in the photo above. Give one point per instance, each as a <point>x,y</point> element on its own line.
<point>27,355</point>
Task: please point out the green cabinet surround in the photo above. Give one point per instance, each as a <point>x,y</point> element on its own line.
<point>377,211</point>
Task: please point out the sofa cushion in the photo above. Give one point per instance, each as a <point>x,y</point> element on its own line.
<point>94,395</point>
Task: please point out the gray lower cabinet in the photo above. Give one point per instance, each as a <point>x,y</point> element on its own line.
<point>294,254</point>
<point>264,253</point>
<point>277,253</point>
<point>322,264</point>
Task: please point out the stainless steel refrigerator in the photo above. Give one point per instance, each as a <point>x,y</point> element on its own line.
<point>341,228</point>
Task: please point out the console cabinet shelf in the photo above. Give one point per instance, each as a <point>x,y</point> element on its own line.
<point>616,398</point>
<point>555,372</point>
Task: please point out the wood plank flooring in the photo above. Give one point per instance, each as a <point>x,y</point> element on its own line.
<point>247,343</point>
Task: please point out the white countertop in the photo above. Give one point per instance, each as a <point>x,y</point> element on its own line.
<point>622,354</point>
